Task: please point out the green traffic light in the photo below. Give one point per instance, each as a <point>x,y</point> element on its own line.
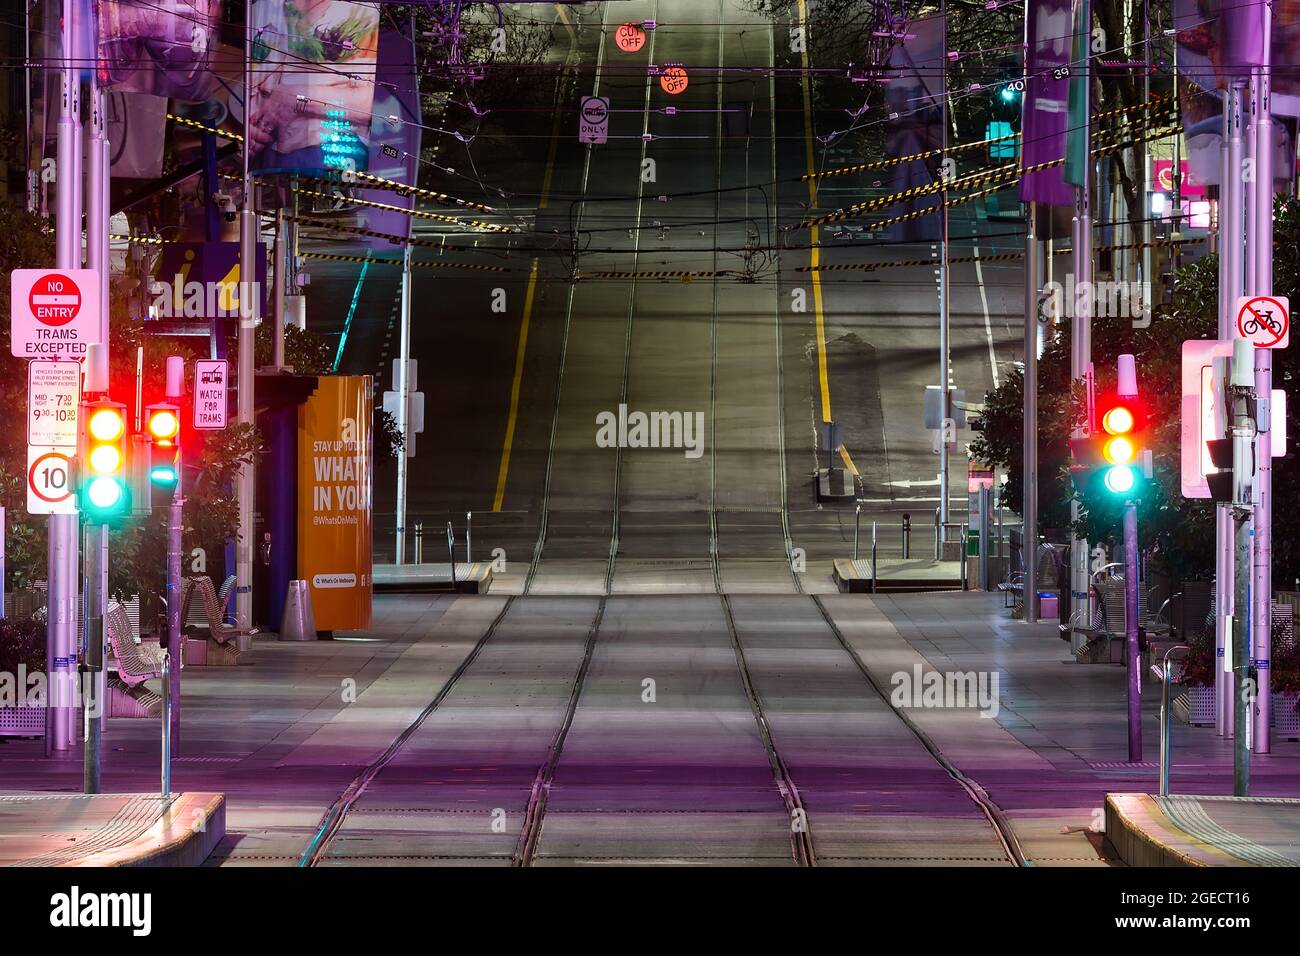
<point>163,475</point>
<point>1119,479</point>
<point>104,492</point>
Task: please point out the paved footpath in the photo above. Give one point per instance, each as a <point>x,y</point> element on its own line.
<point>282,735</point>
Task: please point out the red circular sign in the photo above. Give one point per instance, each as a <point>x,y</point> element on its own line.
<point>54,299</point>
<point>1262,317</point>
<point>673,80</point>
<point>50,472</point>
<point>629,38</point>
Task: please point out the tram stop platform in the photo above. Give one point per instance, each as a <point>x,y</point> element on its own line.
<point>109,829</point>
<point>474,577</point>
<point>1180,830</point>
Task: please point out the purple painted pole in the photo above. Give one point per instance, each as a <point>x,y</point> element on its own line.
<point>1131,633</point>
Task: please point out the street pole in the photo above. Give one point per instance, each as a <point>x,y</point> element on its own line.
<point>1232,229</point>
<point>278,287</point>
<point>403,388</point>
<point>1243,438</point>
<point>1081,334</point>
<point>175,389</point>
<point>1128,388</point>
<point>945,383</point>
<point>1029,509</point>
<point>95,558</point>
<point>62,570</point>
<point>248,310</point>
<point>1260,244</point>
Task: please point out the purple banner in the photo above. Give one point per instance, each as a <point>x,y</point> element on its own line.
<point>394,138</point>
<point>913,99</point>
<point>1046,103</point>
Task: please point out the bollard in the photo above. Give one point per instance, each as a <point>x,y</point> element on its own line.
<point>965,544</point>
<point>419,542</point>
<point>451,553</point>
<point>857,517</point>
<point>166,729</point>
<point>907,536</point>
<point>469,537</point>
<point>937,546</point>
<point>873,557</point>
<point>983,537</point>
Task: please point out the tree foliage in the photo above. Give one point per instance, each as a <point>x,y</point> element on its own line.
<point>1179,530</point>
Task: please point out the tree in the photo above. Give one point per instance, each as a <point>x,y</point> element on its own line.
<point>1180,531</point>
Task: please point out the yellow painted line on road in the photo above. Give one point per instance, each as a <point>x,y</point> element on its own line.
<point>503,471</point>
<point>814,254</point>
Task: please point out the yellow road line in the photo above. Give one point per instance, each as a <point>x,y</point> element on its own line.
<point>503,470</point>
<point>815,252</point>
<point>514,389</point>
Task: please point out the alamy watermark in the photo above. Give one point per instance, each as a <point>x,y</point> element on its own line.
<point>933,689</point>
<point>1098,300</point>
<point>32,689</point>
<point>626,429</point>
<point>202,300</point>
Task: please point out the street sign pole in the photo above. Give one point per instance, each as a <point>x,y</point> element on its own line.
<point>1243,463</point>
<point>93,678</point>
<point>1029,485</point>
<point>1260,244</point>
<point>402,385</point>
<point>1131,633</point>
<point>61,639</point>
<point>1232,235</point>
<point>945,382</point>
<point>1081,333</point>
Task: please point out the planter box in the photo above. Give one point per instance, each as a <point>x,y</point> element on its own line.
<point>1200,705</point>
<point>1286,714</point>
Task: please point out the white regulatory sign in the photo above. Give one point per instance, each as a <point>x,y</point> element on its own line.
<point>49,481</point>
<point>53,394</point>
<point>593,120</point>
<point>55,312</point>
<point>210,395</point>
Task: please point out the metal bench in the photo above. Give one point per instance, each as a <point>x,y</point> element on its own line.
<point>136,663</point>
<point>221,645</point>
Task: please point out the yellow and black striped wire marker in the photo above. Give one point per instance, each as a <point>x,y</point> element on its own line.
<point>415,263</point>
<point>684,275</point>
<point>997,257</point>
<point>418,213</point>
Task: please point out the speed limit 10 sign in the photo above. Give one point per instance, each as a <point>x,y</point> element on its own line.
<point>49,481</point>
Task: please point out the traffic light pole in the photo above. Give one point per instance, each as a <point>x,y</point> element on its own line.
<point>62,570</point>
<point>1131,633</point>
<point>945,381</point>
<point>403,388</point>
<point>175,387</point>
<point>1260,244</point>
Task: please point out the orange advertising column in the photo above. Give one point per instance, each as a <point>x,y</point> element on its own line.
<point>335,459</point>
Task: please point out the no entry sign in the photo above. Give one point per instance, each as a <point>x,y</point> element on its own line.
<point>1265,320</point>
<point>55,312</point>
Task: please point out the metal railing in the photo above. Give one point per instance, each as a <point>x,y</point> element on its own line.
<point>1165,674</point>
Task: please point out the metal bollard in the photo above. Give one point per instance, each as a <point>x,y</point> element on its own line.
<point>907,536</point>
<point>451,553</point>
<point>873,557</point>
<point>1166,725</point>
<point>469,528</point>
<point>857,517</point>
<point>419,542</point>
<point>166,728</point>
<point>937,536</point>
<point>965,545</point>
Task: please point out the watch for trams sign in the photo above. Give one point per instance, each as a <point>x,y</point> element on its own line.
<point>55,312</point>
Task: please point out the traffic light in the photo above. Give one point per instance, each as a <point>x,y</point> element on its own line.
<point>102,490</point>
<point>1110,460</point>
<point>163,425</point>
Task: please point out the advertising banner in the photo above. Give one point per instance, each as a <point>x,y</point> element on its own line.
<point>313,85</point>
<point>1046,102</point>
<point>200,280</point>
<point>916,66</point>
<point>335,481</point>
<point>394,138</point>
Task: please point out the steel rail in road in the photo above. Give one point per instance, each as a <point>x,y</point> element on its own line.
<point>334,817</point>
<point>996,816</point>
